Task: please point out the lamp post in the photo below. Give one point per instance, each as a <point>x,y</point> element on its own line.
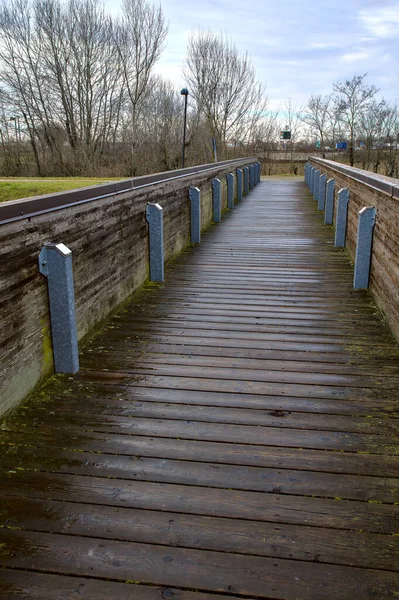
<point>184,92</point>
<point>17,128</point>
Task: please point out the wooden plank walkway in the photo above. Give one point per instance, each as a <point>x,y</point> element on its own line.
<point>232,433</point>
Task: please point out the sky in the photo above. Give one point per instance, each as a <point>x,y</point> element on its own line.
<point>298,47</point>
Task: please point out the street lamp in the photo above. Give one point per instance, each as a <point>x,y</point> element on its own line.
<point>184,92</point>
<point>17,128</point>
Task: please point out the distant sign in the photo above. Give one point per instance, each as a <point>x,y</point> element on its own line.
<point>285,135</point>
<point>341,145</point>
<point>318,144</point>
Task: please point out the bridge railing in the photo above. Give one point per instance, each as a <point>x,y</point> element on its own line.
<point>364,209</point>
<point>106,228</point>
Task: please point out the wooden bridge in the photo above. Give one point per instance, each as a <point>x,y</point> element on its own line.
<point>232,433</point>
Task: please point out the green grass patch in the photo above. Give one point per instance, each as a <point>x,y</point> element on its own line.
<point>12,188</point>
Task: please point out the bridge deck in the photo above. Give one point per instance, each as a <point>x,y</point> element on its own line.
<point>232,434</point>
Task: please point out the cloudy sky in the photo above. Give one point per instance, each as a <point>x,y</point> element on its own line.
<point>298,47</point>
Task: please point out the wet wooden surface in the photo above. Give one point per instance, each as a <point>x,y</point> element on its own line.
<point>232,433</point>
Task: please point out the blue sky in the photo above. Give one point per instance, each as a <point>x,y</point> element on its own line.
<point>298,47</point>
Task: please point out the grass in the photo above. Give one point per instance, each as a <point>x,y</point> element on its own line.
<point>13,188</point>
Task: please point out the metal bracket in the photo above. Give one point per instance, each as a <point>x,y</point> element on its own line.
<point>195,221</point>
<point>55,263</point>
<point>154,216</point>
<point>364,246</point>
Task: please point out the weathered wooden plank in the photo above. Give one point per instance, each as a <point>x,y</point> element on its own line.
<point>236,504</point>
<point>234,357</point>
<point>218,452</point>
<point>44,586</point>
<point>257,538</point>
<point>379,423</point>
<point>238,477</point>
<point>203,570</point>
<point>196,430</point>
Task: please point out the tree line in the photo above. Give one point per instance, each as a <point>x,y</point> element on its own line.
<point>79,96</point>
<point>353,113</point>
<point>78,93</point>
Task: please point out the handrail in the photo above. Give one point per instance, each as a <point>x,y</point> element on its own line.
<point>387,185</point>
<point>24,208</point>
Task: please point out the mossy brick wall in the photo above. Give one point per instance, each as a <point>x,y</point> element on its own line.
<point>109,241</point>
<point>384,274</point>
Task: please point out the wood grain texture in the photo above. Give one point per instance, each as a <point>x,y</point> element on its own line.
<point>109,241</point>
<point>384,274</point>
<point>233,433</point>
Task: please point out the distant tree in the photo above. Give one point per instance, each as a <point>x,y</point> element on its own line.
<point>224,86</point>
<point>352,99</point>
<point>317,115</point>
<point>139,37</point>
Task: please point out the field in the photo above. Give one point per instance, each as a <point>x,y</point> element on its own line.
<point>13,188</point>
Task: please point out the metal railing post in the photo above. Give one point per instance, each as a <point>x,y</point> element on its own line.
<point>195,215</point>
<point>230,190</point>
<point>246,180</point>
<point>329,208</point>
<point>316,181</point>
<point>342,216</point>
<point>364,247</point>
<point>322,192</point>
<point>251,176</point>
<point>239,175</point>
<point>312,176</point>
<point>154,216</point>
<point>55,263</point>
<point>217,207</point>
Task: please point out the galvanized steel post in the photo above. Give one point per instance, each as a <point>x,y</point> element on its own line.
<point>195,214</point>
<point>311,178</point>
<point>230,190</point>
<point>154,216</point>
<point>316,182</point>
<point>251,176</point>
<point>342,215</point>
<point>322,192</point>
<point>239,184</point>
<point>257,165</point>
<point>217,205</point>
<point>55,263</point>
<point>306,173</point>
<point>364,247</point>
<point>329,208</point>
<point>246,180</point>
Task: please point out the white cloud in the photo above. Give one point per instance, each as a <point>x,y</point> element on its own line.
<point>382,22</point>
<point>353,57</point>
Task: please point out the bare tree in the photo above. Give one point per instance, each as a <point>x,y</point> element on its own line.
<point>352,98</point>
<point>317,116</point>
<point>224,86</point>
<point>61,73</point>
<point>139,38</point>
